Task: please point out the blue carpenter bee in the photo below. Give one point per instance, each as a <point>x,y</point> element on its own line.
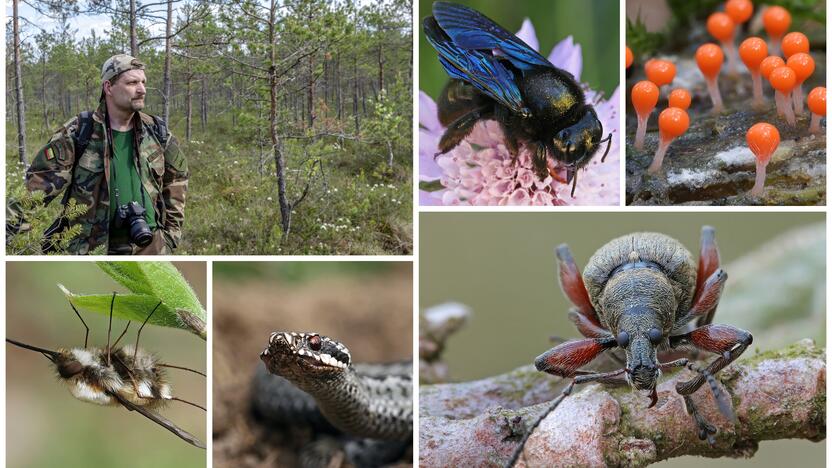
<point>497,76</point>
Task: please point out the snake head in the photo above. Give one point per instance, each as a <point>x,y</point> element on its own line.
<point>291,354</point>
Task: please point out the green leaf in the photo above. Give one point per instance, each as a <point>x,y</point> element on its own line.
<point>134,307</point>
<point>158,279</point>
<point>150,283</point>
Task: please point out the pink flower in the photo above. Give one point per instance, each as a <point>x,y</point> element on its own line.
<point>481,171</point>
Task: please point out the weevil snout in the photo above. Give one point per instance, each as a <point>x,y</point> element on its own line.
<point>644,376</point>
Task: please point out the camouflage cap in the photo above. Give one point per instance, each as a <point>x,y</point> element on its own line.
<point>118,64</point>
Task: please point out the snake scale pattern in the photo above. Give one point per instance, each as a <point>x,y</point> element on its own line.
<point>309,379</point>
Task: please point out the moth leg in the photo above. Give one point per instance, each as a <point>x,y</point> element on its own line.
<point>87,333</point>
<point>573,286</point>
<point>110,327</point>
<point>139,333</point>
<point>461,128</point>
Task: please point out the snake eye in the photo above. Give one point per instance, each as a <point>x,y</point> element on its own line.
<point>654,335</point>
<point>623,339</point>
<point>314,342</point>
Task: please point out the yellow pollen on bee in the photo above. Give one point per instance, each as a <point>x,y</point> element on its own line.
<point>563,102</point>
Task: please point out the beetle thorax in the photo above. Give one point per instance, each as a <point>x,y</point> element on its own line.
<point>641,289</point>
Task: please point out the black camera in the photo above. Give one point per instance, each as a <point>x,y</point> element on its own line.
<point>132,215</point>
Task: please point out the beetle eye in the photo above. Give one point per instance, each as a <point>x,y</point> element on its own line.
<point>623,339</point>
<point>314,342</point>
<point>654,335</point>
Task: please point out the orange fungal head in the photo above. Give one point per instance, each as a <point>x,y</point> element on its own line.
<point>763,139</point>
<point>817,101</point>
<point>709,57</point>
<point>782,79</point>
<point>752,52</point>
<point>793,43</point>
<point>660,71</point>
<point>770,63</point>
<point>803,66</point>
<point>645,95</point>
<point>739,10</point>
<point>776,21</point>
<point>673,122</point>
<point>628,57</point>
<point>679,97</point>
<point>721,27</point>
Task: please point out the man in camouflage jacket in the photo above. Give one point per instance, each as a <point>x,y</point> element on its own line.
<point>159,165</point>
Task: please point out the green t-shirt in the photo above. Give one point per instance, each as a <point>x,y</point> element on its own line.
<point>125,179</point>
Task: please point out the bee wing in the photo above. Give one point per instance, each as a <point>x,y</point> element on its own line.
<point>470,29</point>
<point>160,420</point>
<point>483,71</point>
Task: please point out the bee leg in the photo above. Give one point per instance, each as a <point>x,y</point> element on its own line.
<point>708,264</point>
<point>573,285</point>
<point>461,128</point>
<point>608,378</point>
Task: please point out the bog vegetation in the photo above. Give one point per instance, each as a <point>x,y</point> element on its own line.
<point>295,116</point>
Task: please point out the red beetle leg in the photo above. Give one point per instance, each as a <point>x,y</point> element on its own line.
<point>573,284</point>
<point>565,359</point>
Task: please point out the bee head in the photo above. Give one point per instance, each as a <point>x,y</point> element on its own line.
<point>574,145</point>
<point>292,353</point>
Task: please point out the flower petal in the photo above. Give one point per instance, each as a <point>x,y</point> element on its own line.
<point>428,147</point>
<point>567,55</point>
<point>428,114</point>
<point>527,34</point>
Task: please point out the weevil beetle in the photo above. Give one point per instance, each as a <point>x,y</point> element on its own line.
<point>644,293</point>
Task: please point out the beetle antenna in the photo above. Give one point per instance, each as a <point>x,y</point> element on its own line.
<point>139,334</point>
<point>110,327</point>
<point>609,142</point>
<point>181,368</point>
<point>188,402</point>
<point>87,333</point>
<point>47,353</point>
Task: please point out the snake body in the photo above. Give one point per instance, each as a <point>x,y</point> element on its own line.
<point>310,379</point>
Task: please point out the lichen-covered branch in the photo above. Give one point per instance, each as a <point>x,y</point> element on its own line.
<point>776,395</point>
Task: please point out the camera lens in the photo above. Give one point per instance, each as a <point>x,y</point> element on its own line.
<point>140,233</point>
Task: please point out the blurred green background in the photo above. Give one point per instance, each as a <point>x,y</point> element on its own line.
<point>45,425</point>
<point>297,272</point>
<point>593,24</point>
<point>502,266</point>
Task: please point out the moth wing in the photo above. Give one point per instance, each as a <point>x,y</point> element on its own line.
<point>470,29</point>
<point>160,420</point>
<point>482,70</point>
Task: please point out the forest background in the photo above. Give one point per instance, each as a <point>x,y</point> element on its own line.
<point>295,116</point>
